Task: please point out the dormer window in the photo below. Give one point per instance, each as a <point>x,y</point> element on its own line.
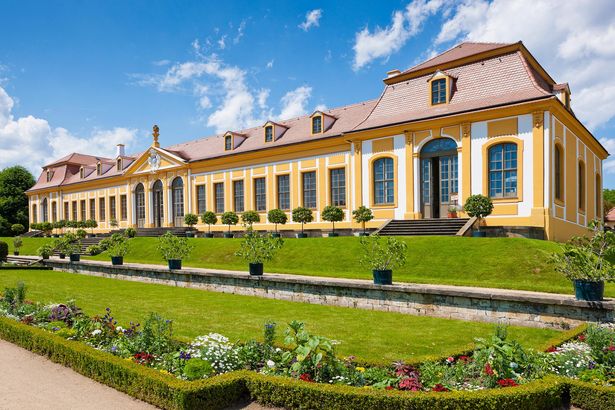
<point>98,168</point>
<point>269,133</point>
<point>81,173</point>
<point>317,124</point>
<point>49,175</point>
<point>228,143</point>
<point>118,164</point>
<point>438,91</point>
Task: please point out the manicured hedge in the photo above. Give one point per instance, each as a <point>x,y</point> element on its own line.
<point>222,391</point>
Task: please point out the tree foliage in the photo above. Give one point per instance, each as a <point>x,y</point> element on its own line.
<point>14,182</point>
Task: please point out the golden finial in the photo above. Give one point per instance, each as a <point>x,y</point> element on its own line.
<point>156,133</point>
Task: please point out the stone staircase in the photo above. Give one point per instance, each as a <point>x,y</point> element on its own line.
<point>420,227</point>
<point>178,231</point>
<point>85,242</point>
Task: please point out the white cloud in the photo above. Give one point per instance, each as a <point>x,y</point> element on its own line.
<point>31,141</point>
<point>294,102</point>
<point>270,63</point>
<point>240,30</point>
<point>312,19</point>
<point>383,42</point>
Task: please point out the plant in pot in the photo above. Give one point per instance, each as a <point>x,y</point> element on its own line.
<point>173,249</point>
<point>113,223</point>
<point>47,227</point>
<point>35,226</point>
<point>92,224</point>
<point>17,244</point>
<point>81,233</point>
<point>256,248</point>
<point>452,211</point>
<point>229,218</point>
<point>362,215</point>
<point>74,250</point>
<point>277,216</point>
<point>64,244</point>
<point>333,214</point>
<point>130,232</point>
<point>382,255</point>
<point>588,262</point>
<point>45,251</point>
<point>118,250</point>
<point>303,216</point>
<point>191,220</point>
<point>249,218</point>
<point>17,229</point>
<point>210,219</point>
<point>478,206</point>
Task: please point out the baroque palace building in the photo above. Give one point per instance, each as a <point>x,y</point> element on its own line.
<point>480,118</point>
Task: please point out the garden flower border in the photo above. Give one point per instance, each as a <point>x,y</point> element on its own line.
<point>225,390</point>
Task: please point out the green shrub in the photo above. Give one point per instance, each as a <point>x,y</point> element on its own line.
<point>383,253</point>
<point>130,232</point>
<point>332,214</point>
<point>229,218</point>
<point>45,250</point>
<point>209,218</point>
<point>362,214</point>
<point>17,229</point>
<point>80,233</point>
<point>173,247</point>
<point>257,248</point>
<point>250,217</point>
<point>17,243</point>
<point>478,206</point>
<point>302,215</point>
<point>277,216</point>
<point>191,220</point>
<point>197,369</point>
<point>588,396</point>
<point>4,251</point>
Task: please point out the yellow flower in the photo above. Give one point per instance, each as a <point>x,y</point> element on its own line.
<point>164,371</point>
<point>360,369</point>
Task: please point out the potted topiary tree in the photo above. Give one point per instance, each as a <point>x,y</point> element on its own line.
<point>45,251</point>
<point>17,244</point>
<point>92,224</point>
<point>35,226</point>
<point>190,220</point>
<point>249,218</point>
<point>17,229</point>
<point>173,249</point>
<point>210,219</point>
<point>64,244</point>
<point>332,214</point>
<point>277,216</point>
<point>362,215</point>
<point>47,227</point>
<point>74,250</point>
<point>118,250</point>
<point>303,216</point>
<point>478,206</point>
<point>130,232</point>
<point>229,218</point>
<point>382,255</point>
<point>81,233</point>
<point>256,249</point>
<point>588,262</point>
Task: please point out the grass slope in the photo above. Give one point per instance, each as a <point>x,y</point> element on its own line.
<point>509,263</point>
<point>370,335</point>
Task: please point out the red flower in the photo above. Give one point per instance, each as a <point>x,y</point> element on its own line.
<point>465,359</point>
<point>143,358</point>
<point>450,359</point>
<point>552,349</point>
<point>389,388</point>
<point>410,383</point>
<point>306,378</point>
<point>489,370</point>
<point>439,387</point>
<point>581,338</point>
<point>507,383</point>
<point>611,348</point>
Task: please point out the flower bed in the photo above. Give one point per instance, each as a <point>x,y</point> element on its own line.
<point>147,362</point>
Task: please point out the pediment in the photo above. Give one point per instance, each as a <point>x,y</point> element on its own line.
<point>153,160</point>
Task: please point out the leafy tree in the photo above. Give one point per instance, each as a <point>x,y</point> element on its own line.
<point>303,216</point>
<point>209,218</point>
<point>229,218</point>
<point>277,216</point>
<point>14,182</point>
<point>363,214</point>
<point>479,206</point>
<point>17,229</point>
<point>333,214</point>
<point>250,217</point>
<point>191,220</point>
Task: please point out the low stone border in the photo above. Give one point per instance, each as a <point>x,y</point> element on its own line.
<point>512,307</point>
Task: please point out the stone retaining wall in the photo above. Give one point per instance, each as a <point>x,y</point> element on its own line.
<point>477,304</point>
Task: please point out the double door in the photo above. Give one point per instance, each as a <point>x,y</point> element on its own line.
<point>439,185</point>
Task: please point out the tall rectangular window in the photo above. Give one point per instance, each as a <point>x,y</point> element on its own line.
<point>260,194</point>
<point>317,125</point>
<point>438,91</point>
<point>112,209</point>
<point>82,209</point>
<point>503,170</point>
<point>75,212</point>
<point>384,181</point>
<point>309,189</point>
<point>201,204</point>
<point>66,211</point>
<point>338,187</point>
<point>54,212</point>
<point>238,201</point>
<point>228,143</point>
<point>123,207</point>
<point>269,133</point>
<point>219,197</point>
<point>93,209</point>
<point>284,191</point>
<point>101,209</point>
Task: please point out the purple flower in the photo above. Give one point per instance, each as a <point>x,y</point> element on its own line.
<point>184,355</point>
<point>113,349</point>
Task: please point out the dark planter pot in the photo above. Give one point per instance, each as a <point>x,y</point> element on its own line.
<point>117,260</point>
<point>383,277</point>
<point>589,290</point>
<point>228,235</point>
<point>363,233</point>
<point>256,269</point>
<point>55,235</point>
<point>175,264</point>
<point>208,235</point>
<point>302,235</point>
<point>45,257</point>
<point>479,234</point>
<point>75,257</point>
<point>62,256</point>
<point>276,235</point>
<point>333,234</point>
<point>189,234</point>
<point>16,253</point>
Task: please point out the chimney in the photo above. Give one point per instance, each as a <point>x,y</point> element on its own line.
<point>393,73</point>
<point>120,150</point>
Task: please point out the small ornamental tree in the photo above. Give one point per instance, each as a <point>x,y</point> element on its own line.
<point>250,217</point>
<point>229,218</point>
<point>191,220</point>
<point>17,244</point>
<point>362,215</point>
<point>277,216</point>
<point>209,218</point>
<point>302,215</point>
<point>258,248</point>
<point>333,214</point>
<point>478,206</point>
<point>172,247</point>
<point>92,224</point>
<point>17,229</point>
<point>113,223</point>
<point>47,227</point>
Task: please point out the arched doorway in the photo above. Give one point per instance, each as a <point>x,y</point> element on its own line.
<point>140,205</point>
<point>439,177</point>
<point>177,188</point>
<point>158,203</point>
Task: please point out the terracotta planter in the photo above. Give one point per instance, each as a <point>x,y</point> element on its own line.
<point>452,215</point>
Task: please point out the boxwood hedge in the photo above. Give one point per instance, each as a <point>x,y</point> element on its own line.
<point>222,391</point>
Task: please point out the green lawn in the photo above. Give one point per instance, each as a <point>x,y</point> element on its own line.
<point>510,263</point>
<point>30,245</point>
<point>370,335</point>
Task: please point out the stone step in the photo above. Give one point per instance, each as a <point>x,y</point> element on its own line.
<point>423,227</point>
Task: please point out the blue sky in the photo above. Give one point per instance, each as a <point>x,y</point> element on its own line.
<point>86,75</point>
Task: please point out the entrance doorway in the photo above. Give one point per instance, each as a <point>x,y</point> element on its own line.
<point>439,177</point>
<point>158,201</point>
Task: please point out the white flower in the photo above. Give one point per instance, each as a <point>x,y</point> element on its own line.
<point>119,329</point>
<point>270,363</point>
<point>96,332</point>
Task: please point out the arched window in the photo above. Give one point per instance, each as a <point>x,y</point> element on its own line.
<point>598,197</point>
<point>581,184</point>
<point>384,181</point>
<point>503,171</point>
<point>558,172</point>
<point>178,200</point>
